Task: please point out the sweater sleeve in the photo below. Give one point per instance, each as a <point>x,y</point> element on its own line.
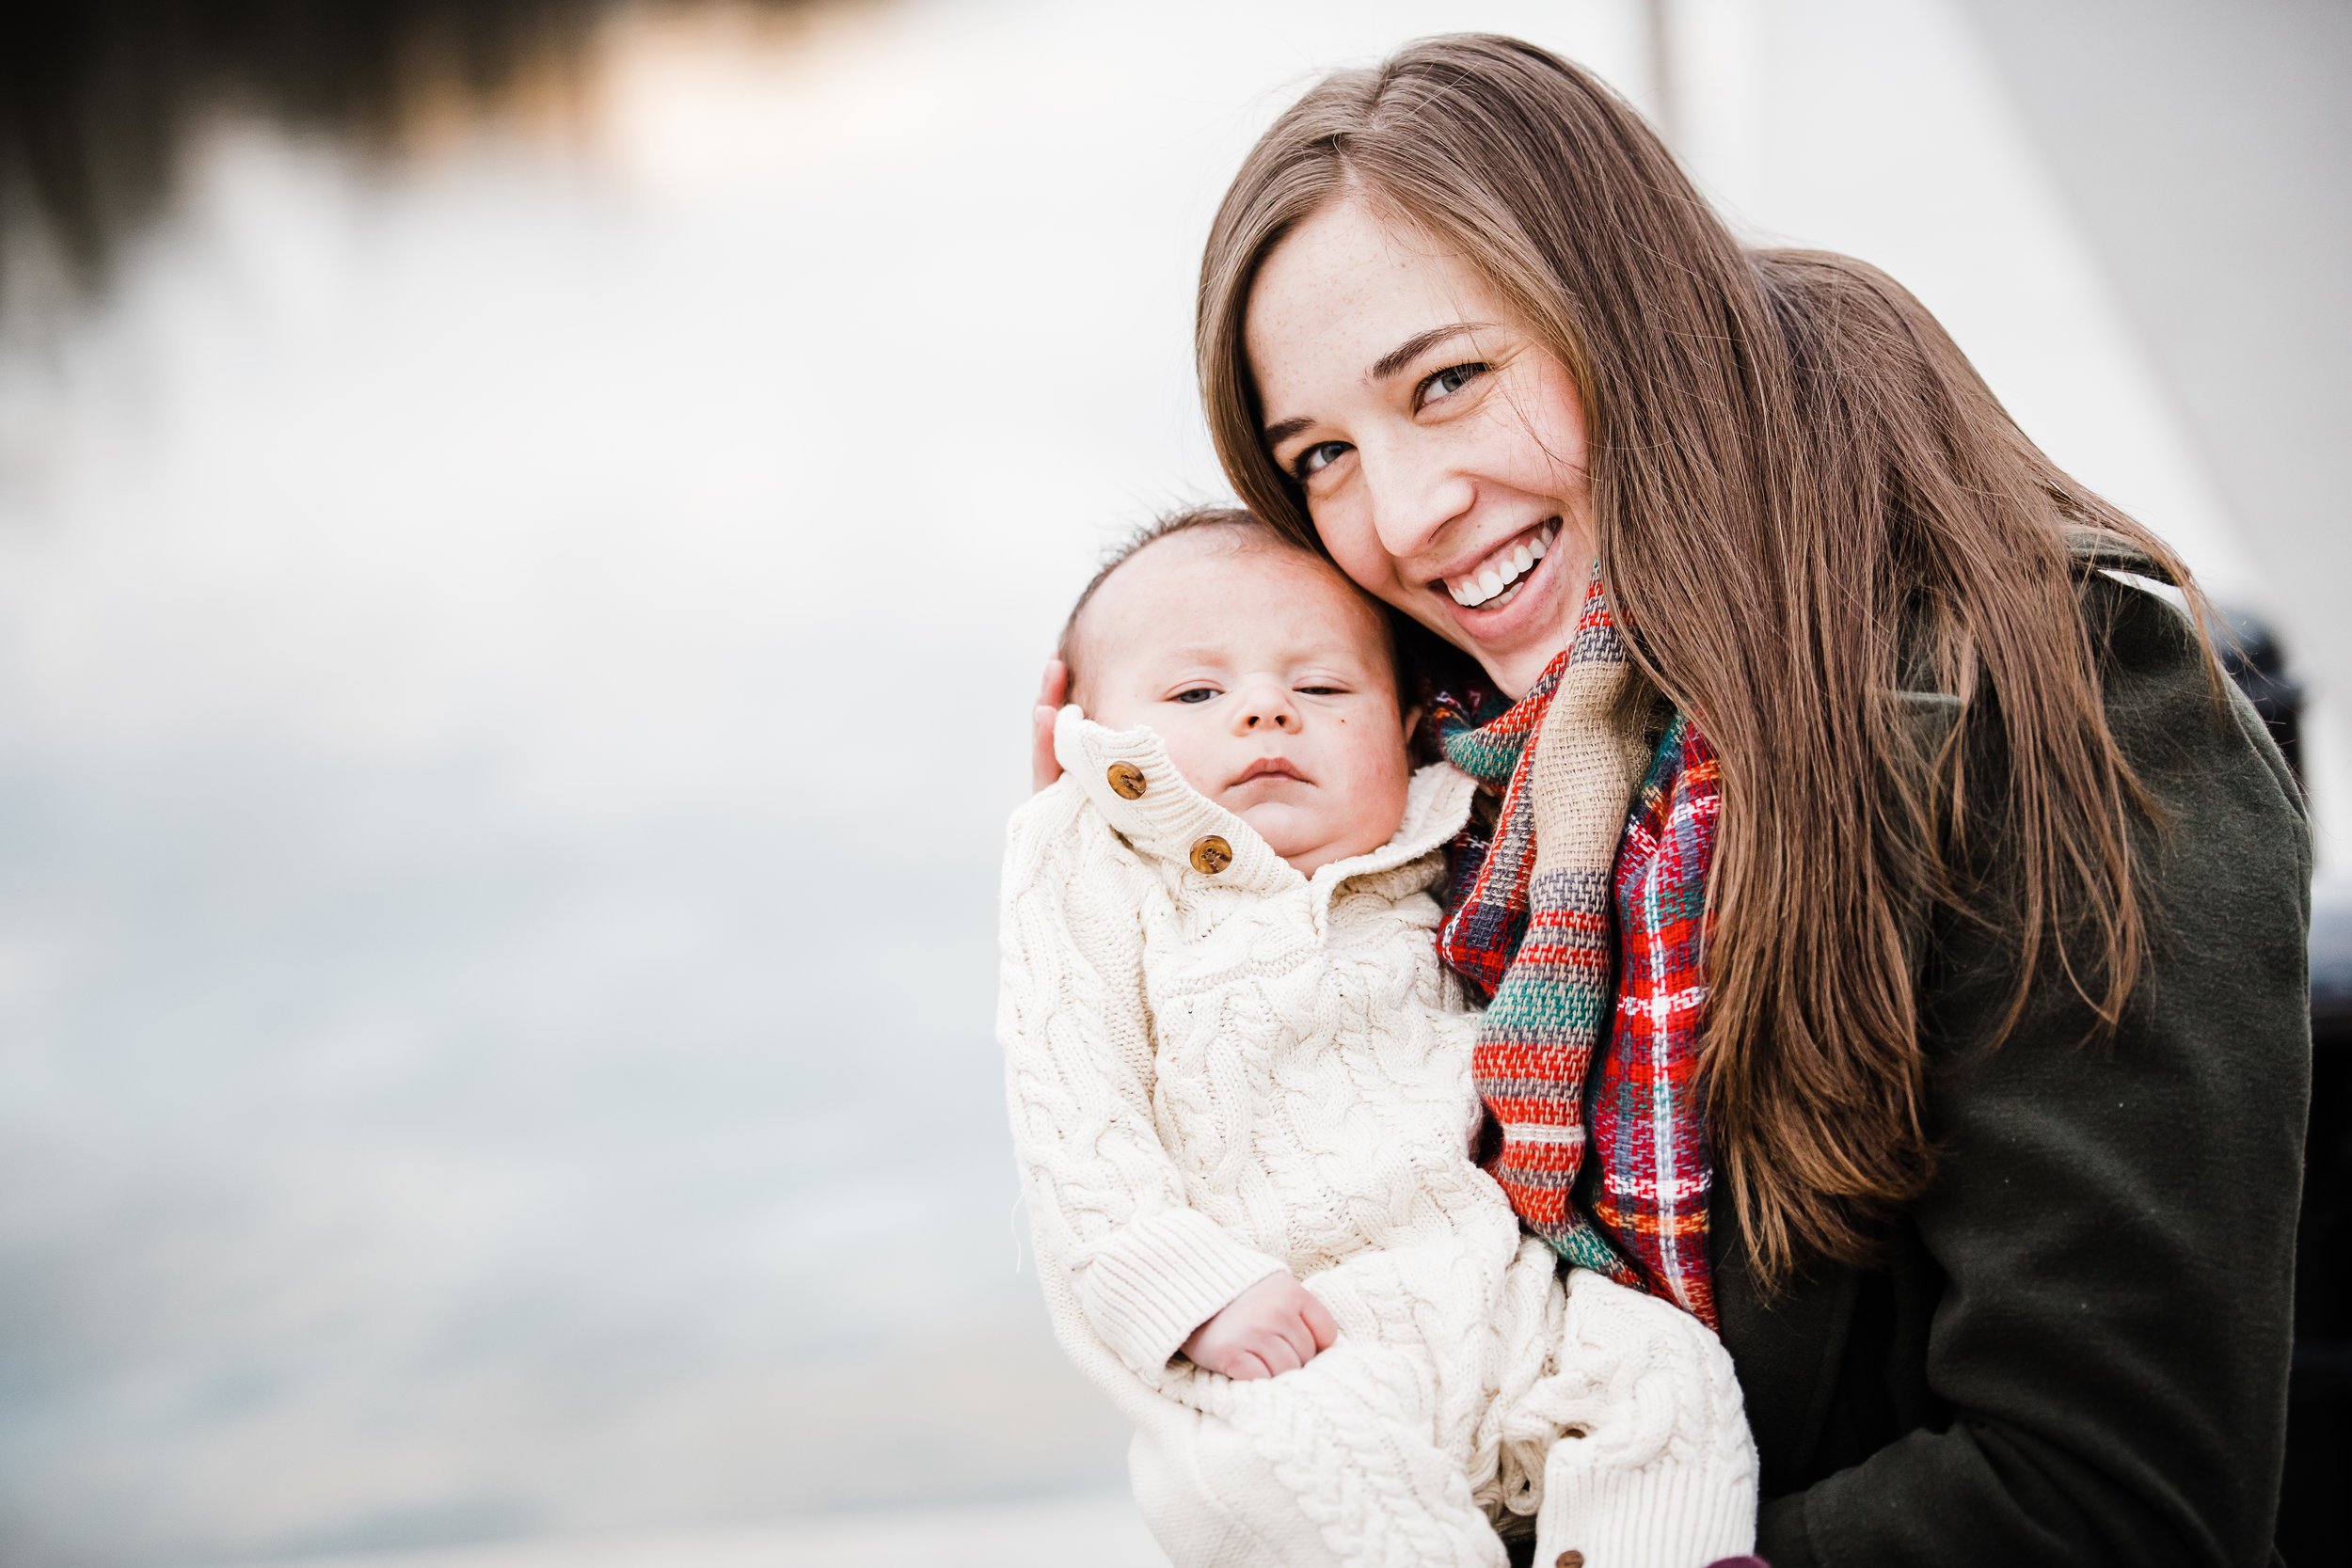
<point>1107,1205</point>
<point>2113,1222</point>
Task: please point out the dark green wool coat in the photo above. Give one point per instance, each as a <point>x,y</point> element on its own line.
<point>2076,1349</point>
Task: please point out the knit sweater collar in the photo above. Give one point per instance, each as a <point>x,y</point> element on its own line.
<point>1169,818</point>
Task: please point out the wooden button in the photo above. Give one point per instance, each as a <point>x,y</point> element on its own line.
<point>1127,780</point>
<point>1210,855</point>
<point>1571,1559</point>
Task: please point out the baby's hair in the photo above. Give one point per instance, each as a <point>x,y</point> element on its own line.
<point>1406,641</point>
<point>1166,526</point>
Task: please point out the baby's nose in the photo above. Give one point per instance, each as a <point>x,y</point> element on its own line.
<point>1266,706</point>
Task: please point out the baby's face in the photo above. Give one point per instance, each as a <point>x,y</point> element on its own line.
<point>1268,676</point>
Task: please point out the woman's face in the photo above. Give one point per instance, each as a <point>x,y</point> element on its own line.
<point>1440,447</point>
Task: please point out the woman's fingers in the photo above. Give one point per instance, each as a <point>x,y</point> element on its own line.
<point>1052,692</point>
<point>1054,689</point>
<point>1044,767</point>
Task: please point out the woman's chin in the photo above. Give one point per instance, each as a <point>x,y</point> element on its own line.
<point>1514,640</point>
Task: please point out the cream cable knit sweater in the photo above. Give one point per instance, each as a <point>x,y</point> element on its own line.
<point>1218,1068</point>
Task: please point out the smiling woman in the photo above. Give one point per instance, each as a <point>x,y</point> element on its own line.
<point>1398,390</point>
<point>1962,908</point>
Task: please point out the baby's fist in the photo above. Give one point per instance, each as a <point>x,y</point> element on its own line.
<point>1276,1325</point>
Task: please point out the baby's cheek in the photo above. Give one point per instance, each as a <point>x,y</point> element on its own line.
<point>1373,808</point>
<point>1194,756</point>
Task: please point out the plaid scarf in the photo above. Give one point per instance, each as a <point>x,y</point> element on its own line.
<point>1530,926</point>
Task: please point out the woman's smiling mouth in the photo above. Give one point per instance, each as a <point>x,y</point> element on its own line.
<point>1494,581</point>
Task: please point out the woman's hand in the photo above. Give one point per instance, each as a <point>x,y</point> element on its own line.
<point>1276,1325</point>
<point>1043,768</point>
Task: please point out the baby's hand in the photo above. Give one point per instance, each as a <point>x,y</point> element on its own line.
<point>1277,1326</point>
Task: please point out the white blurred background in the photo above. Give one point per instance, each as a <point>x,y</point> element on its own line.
<point>514,659</point>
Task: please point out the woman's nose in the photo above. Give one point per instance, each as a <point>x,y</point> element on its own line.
<point>1414,492</point>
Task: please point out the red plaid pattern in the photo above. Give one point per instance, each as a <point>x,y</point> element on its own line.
<point>1641,1196</point>
<point>1645,1115</point>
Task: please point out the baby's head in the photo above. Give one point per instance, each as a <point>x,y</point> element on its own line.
<point>1272,680</point>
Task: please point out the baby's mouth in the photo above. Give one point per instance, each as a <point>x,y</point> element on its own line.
<point>1495,582</point>
<point>1267,768</point>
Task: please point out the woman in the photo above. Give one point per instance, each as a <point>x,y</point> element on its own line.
<point>1998,1090</point>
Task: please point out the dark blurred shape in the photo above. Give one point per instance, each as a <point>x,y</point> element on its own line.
<point>2251,655</point>
<point>2314,1509</point>
<point>2314,1518</point>
<point>2313,1513</point>
<point>98,98</point>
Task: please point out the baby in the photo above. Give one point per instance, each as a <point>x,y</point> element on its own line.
<point>1241,1098</point>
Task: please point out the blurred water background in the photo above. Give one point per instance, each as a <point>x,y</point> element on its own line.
<point>519,601</point>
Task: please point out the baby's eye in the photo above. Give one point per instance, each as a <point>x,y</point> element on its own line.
<point>1445,383</point>
<point>1322,691</point>
<point>1316,458</point>
<point>1194,694</point>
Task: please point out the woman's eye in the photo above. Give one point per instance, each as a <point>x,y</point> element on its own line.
<point>1316,458</point>
<point>1194,694</point>
<point>1445,383</point>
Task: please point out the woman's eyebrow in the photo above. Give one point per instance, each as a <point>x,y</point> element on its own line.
<point>1415,346</point>
<point>1275,434</point>
<point>1386,366</point>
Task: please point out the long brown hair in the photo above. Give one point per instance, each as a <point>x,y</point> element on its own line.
<point>1805,500</point>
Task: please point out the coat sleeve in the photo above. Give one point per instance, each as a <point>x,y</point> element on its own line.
<point>2114,1223</point>
<point>1107,1203</point>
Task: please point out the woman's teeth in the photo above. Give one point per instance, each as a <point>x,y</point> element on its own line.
<point>1504,570</point>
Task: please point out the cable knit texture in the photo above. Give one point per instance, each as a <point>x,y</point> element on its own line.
<point>1218,1068</point>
